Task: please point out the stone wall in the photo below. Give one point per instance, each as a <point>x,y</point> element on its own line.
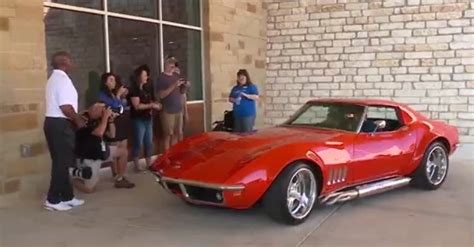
<point>235,39</point>
<point>22,79</point>
<point>419,52</point>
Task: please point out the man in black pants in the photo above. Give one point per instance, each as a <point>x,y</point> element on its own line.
<point>61,118</point>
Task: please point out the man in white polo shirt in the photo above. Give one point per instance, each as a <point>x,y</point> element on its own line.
<point>61,119</point>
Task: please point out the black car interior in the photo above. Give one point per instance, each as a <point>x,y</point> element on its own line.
<point>369,125</point>
<point>392,123</point>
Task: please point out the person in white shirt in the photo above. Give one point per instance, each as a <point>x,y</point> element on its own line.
<point>60,121</point>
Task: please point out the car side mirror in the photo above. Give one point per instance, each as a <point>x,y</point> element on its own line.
<point>379,124</point>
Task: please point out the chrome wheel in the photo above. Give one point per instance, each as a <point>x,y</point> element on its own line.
<point>301,193</point>
<point>437,165</point>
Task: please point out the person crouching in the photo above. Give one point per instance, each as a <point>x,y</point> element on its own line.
<point>92,150</point>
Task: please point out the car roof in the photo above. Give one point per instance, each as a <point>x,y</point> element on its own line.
<point>380,102</point>
<point>413,114</point>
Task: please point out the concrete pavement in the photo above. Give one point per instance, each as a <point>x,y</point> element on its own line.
<point>147,216</point>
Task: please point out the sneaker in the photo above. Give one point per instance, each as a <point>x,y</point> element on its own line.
<point>74,202</point>
<point>123,183</point>
<point>56,207</point>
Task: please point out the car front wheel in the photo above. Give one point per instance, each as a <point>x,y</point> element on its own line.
<point>432,172</point>
<point>292,195</point>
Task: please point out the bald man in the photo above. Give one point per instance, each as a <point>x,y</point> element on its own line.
<point>60,121</point>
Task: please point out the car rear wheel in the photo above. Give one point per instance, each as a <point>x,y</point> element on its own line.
<point>432,172</point>
<point>292,195</point>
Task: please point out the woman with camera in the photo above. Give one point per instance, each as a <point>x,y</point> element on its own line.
<point>113,93</point>
<point>143,104</point>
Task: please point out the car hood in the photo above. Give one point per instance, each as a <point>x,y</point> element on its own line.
<point>215,156</point>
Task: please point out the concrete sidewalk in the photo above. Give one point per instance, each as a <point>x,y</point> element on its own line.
<point>147,216</point>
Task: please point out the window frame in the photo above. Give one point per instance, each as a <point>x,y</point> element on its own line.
<point>397,112</point>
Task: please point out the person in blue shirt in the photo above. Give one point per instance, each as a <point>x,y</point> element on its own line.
<point>112,93</point>
<point>243,96</point>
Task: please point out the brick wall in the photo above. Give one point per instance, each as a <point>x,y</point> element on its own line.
<point>22,79</point>
<point>419,52</point>
<point>235,39</point>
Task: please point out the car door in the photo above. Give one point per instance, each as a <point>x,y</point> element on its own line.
<point>382,153</point>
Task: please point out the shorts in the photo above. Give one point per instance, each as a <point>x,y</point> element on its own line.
<point>95,166</point>
<point>172,123</point>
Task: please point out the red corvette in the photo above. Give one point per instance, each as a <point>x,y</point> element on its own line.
<point>329,151</point>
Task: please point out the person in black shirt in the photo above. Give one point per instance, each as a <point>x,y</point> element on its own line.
<point>91,149</point>
<point>143,103</point>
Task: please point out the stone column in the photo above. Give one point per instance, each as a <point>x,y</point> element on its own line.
<point>22,80</point>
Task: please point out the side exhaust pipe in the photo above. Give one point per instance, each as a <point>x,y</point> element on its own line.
<point>365,190</point>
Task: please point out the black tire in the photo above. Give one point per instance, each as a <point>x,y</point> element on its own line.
<point>420,177</point>
<point>275,199</point>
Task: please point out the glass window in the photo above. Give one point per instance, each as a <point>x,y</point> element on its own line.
<point>185,46</point>
<point>133,43</point>
<point>330,116</point>
<point>95,4</point>
<point>182,11</point>
<point>312,115</point>
<point>82,35</point>
<point>143,8</point>
<point>387,113</point>
<point>380,114</point>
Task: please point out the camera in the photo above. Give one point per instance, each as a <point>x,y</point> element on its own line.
<point>81,172</point>
<point>117,110</point>
<point>183,87</point>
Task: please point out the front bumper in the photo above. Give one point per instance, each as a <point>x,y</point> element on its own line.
<point>199,192</point>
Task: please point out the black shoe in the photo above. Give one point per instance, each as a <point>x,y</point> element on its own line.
<point>123,184</point>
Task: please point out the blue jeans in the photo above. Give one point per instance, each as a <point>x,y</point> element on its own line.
<point>244,124</point>
<point>142,135</point>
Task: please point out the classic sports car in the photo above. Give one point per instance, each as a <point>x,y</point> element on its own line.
<point>329,151</point>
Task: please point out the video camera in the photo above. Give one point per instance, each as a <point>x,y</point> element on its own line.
<point>80,172</point>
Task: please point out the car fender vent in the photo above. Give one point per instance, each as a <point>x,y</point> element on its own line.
<point>337,175</point>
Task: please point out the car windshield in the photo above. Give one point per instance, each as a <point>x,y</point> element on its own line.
<point>339,116</point>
